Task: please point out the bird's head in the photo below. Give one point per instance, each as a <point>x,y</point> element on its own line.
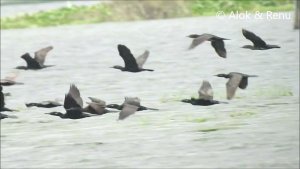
<point>222,75</point>
<point>118,67</point>
<point>186,100</point>
<point>25,56</point>
<point>193,36</point>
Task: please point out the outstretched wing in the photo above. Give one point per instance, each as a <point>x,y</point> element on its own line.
<point>127,110</point>
<point>96,108</point>
<point>219,47</point>
<point>232,84</point>
<point>73,99</point>
<point>205,92</point>
<point>142,59</point>
<point>244,83</point>
<point>199,40</point>
<point>98,101</point>
<point>256,40</point>
<point>133,101</point>
<point>41,54</point>
<point>129,60</point>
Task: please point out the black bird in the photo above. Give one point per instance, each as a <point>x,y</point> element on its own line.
<point>120,107</point>
<point>44,104</point>
<point>132,64</point>
<point>258,43</point>
<point>38,61</point>
<point>10,80</point>
<point>216,42</point>
<point>2,102</point>
<point>235,80</point>
<point>3,116</point>
<point>96,106</point>
<point>73,105</point>
<point>130,106</point>
<point>205,96</point>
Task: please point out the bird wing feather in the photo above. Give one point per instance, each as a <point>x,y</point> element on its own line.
<point>129,60</point>
<point>73,99</point>
<point>41,54</point>
<point>205,92</point>
<point>142,59</point>
<point>232,84</point>
<point>199,40</point>
<point>256,40</point>
<point>127,110</point>
<point>219,47</point>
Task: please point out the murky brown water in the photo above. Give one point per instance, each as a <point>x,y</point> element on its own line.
<point>258,129</point>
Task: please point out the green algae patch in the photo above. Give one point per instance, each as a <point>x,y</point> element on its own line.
<point>274,91</point>
<point>242,114</point>
<point>198,120</point>
<point>212,129</point>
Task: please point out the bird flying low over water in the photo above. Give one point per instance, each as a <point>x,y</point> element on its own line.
<point>38,61</point>
<point>120,107</point>
<point>132,64</point>
<point>73,105</point>
<point>96,106</point>
<point>2,101</point>
<point>205,96</point>
<point>130,106</point>
<point>235,80</point>
<point>258,43</point>
<point>44,104</point>
<point>216,42</point>
<point>10,80</point>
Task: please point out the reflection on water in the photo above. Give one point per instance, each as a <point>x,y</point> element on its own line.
<point>256,129</point>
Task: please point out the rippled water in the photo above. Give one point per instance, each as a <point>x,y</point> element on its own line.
<point>258,129</point>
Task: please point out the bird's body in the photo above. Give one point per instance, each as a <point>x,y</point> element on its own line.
<point>236,80</point>
<point>216,42</point>
<point>38,61</point>
<point>258,43</point>
<point>132,64</point>
<point>44,104</point>
<point>205,96</point>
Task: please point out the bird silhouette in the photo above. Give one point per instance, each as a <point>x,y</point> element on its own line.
<point>236,80</point>
<point>205,96</point>
<point>73,105</point>
<point>38,61</point>
<point>216,42</point>
<point>132,64</point>
<point>258,43</point>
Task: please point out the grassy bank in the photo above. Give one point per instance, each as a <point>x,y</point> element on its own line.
<point>140,10</point>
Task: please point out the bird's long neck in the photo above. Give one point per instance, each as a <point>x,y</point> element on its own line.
<point>150,70</point>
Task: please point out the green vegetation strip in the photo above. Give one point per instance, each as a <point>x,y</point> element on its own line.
<point>140,10</point>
